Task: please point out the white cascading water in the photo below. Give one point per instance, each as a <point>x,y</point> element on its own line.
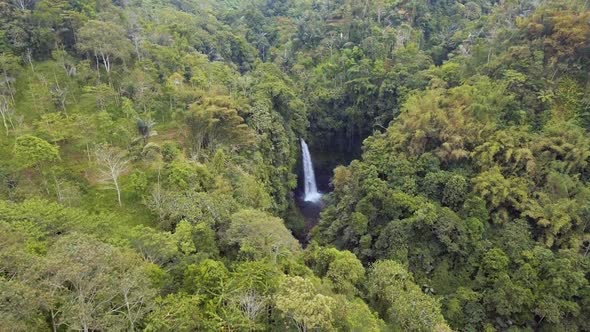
<point>311,190</point>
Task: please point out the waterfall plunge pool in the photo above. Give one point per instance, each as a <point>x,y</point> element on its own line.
<point>312,183</point>
<point>306,213</point>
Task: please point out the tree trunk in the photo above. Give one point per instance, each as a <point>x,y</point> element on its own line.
<point>58,192</point>
<point>9,87</point>
<point>4,121</point>
<point>97,65</point>
<point>106,62</point>
<point>53,325</point>
<point>136,45</point>
<point>118,190</point>
<point>30,59</point>
<point>88,153</point>
<point>129,311</point>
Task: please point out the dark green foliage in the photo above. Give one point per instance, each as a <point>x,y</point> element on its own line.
<point>476,180</point>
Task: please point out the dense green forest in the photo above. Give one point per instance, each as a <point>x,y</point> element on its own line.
<point>149,153</point>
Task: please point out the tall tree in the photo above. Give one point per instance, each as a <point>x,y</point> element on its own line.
<point>106,41</point>
<point>299,300</point>
<point>112,163</point>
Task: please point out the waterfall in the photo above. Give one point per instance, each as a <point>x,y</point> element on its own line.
<point>311,190</point>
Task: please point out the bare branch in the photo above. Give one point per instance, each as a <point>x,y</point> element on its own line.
<point>111,164</point>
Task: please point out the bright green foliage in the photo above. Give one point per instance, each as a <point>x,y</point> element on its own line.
<point>154,246</point>
<point>298,300</point>
<point>184,175</point>
<point>208,278</point>
<point>33,151</point>
<point>212,208</point>
<point>355,316</point>
<point>401,301</point>
<point>250,192</point>
<point>183,235</point>
<point>176,312</point>
<point>217,122</point>
<point>342,268</point>
<point>53,219</point>
<point>499,191</point>
<point>105,41</point>
<point>260,235</point>
<point>345,271</point>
